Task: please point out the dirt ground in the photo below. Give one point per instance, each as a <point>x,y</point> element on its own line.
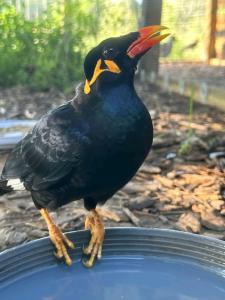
<point>181,184</point>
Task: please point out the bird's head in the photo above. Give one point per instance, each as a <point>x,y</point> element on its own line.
<point>116,58</point>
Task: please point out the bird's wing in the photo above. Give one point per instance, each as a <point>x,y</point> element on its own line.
<point>51,151</point>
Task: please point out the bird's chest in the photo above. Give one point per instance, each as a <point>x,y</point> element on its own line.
<point>117,125</point>
<point>122,136</point>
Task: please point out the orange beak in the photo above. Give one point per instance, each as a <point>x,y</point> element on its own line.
<point>148,37</point>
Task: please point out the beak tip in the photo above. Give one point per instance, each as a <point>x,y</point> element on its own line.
<point>148,38</point>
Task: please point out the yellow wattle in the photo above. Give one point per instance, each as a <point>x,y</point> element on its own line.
<point>112,67</point>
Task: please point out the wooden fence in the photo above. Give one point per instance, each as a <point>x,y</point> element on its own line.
<point>220,31</point>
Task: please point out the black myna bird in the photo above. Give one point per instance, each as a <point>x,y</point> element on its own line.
<point>91,146</point>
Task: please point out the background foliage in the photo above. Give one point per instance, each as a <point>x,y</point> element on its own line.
<point>49,50</point>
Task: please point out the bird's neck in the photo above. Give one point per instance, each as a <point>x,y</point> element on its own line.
<point>123,91</point>
<point>119,95</point>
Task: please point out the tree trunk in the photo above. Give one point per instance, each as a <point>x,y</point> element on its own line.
<point>151,15</point>
<point>211,36</point>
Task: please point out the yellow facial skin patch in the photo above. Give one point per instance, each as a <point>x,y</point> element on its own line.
<point>112,67</point>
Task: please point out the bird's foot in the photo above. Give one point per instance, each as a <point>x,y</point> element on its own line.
<point>94,223</point>
<point>58,239</point>
<point>61,241</point>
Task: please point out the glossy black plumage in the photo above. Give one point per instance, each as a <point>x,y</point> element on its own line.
<point>89,147</point>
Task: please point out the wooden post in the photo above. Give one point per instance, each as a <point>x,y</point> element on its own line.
<point>151,15</point>
<point>211,36</point>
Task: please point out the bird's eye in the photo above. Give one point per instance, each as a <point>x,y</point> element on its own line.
<point>109,53</point>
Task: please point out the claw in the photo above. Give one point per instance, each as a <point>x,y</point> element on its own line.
<point>58,254</point>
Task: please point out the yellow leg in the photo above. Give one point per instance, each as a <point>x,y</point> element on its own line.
<point>57,238</point>
<point>94,223</point>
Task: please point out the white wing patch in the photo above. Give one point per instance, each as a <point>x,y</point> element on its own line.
<point>16,184</point>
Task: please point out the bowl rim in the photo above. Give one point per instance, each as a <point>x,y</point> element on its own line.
<point>119,241</point>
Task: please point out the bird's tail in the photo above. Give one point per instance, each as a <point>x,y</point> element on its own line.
<point>4,189</point>
<point>9,185</point>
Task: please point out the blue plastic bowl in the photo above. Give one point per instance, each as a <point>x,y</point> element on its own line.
<point>137,264</point>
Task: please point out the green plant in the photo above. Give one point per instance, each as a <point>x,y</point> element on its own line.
<point>48,51</point>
